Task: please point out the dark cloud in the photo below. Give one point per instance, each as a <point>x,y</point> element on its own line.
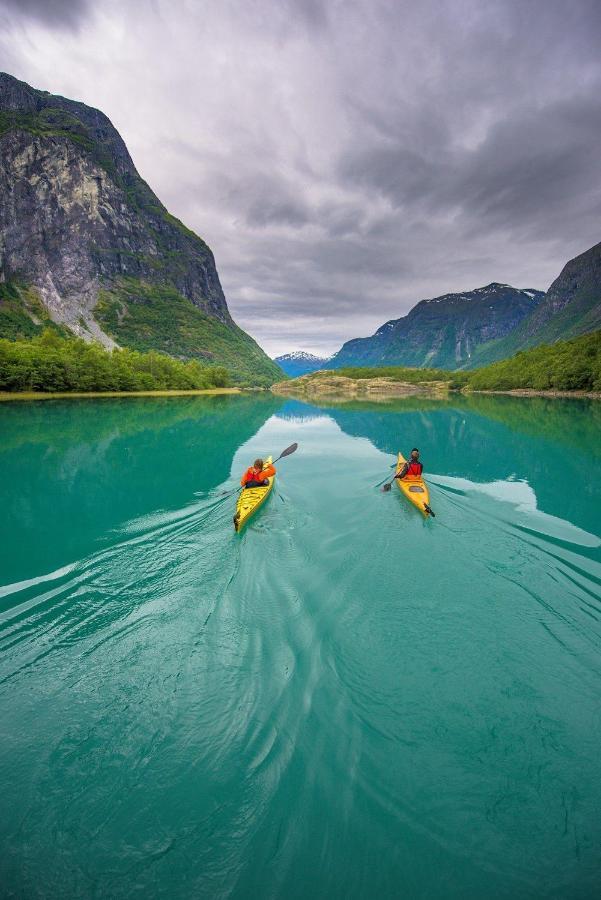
<point>268,201</point>
<point>533,168</point>
<point>520,176</point>
<point>346,159</point>
<point>55,13</point>
<point>313,13</point>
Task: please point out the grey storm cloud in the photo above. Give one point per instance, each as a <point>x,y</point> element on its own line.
<point>344,159</point>
<point>269,201</point>
<point>55,13</point>
<point>520,174</point>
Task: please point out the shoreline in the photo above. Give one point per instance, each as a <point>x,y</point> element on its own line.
<point>530,392</point>
<point>79,395</point>
<point>379,394</point>
<point>316,386</point>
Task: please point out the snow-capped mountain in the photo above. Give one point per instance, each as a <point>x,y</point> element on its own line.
<point>300,363</point>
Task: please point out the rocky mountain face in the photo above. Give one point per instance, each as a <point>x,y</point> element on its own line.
<point>85,241</point>
<point>444,332</point>
<point>300,363</point>
<point>571,307</point>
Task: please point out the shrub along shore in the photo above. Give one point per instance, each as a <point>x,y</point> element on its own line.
<point>54,364</point>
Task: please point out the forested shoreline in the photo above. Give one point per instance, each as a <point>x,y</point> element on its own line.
<point>55,363</point>
<point>51,363</point>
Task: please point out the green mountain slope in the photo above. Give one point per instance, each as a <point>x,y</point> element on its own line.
<point>562,366</point>
<point>22,313</point>
<point>147,317</point>
<point>444,332</point>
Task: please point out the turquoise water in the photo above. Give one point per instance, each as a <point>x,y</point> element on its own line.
<point>345,700</point>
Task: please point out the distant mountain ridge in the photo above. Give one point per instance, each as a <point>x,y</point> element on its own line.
<point>443,332</point>
<point>300,363</point>
<point>86,244</point>
<point>475,328</point>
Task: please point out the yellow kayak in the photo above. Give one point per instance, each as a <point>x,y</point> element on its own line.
<point>251,499</point>
<point>414,489</point>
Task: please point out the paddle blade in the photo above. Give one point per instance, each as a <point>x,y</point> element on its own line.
<point>230,492</point>
<point>288,451</point>
<point>387,487</point>
<point>380,483</point>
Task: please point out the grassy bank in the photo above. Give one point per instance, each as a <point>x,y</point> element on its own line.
<point>73,395</point>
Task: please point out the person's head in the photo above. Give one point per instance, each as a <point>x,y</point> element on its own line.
<point>258,464</point>
<point>415,453</point>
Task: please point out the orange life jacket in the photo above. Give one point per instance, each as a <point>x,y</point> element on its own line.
<point>414,469</point>
<point>253,474</point>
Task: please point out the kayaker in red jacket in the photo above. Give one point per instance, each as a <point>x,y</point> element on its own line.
<point>257,475</point>
<point>413,468</point>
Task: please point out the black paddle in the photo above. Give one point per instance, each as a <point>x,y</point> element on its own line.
<point>284,453</point>
<point>388,486</point>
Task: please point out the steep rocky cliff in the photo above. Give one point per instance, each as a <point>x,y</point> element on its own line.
<point>443,332</point>
<point>571,307</point>
<point>85,241</point>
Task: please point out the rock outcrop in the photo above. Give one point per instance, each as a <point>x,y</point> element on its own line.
<point>327,384</point>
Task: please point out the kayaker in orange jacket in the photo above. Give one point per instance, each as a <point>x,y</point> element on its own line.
<point>257,475</point>
<point>413,468</point>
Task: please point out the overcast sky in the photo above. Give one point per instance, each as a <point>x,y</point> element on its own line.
<point>344,159</point>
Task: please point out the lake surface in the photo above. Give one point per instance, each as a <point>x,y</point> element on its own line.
<point>343,701</point>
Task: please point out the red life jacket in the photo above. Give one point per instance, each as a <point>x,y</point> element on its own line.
<point>414,469</point>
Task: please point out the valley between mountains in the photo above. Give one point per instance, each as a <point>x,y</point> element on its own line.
<point>88,252</point>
